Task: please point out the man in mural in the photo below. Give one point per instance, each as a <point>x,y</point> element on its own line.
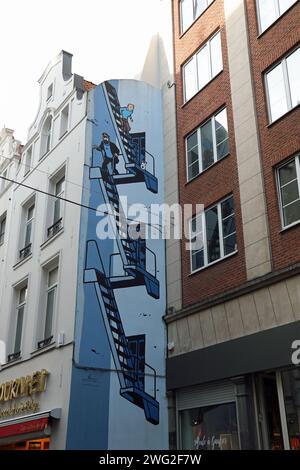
<point>110,153</point>
<point>126,114</point>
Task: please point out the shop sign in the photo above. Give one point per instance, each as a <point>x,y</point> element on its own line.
<point>22,387</point>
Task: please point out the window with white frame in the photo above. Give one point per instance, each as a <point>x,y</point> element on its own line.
<point>208,144</point>
<point>203,67</point>
<point>21,297</point>
<point>50,301</point>
<point>213,234</point>
<point>50,91</point>
<point>2,228</point>
<point>28,160</point>
<point>26,248</point>
<point>56,203</point>
<point>269,10</point>
<point>46,136</point>
<point>289,191</point>
<point>190,10</point>
<point>283,85</point>
<point>64,121</point>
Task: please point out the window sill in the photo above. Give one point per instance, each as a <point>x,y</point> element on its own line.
<point>213,263</point>
<point>43,350</point>
<point>289,227</point>
<point>51,239</point>
<point>201,90</point>
<point>11,363</point>
<point>21,262</point>
<point>283,116</point>
<point>206,169</point>
<point>275,22</point>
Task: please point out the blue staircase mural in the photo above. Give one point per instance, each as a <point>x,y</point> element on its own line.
<point>138,261</point>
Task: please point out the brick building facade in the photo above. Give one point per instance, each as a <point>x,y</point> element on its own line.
<point>232,378</point>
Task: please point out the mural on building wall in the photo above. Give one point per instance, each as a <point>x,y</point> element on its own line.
<point>121,300</point>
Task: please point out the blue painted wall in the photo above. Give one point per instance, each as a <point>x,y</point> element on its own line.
<point>117,401</point>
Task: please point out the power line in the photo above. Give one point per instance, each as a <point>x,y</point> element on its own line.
<point>79,204</point>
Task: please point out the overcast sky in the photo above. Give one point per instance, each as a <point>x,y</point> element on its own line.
<point>108,39</point>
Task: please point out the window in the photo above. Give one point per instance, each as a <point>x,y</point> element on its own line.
<point>270,10</point>
<point>2,228</point>
<point>283,86</point>
<point>207,145</point>
<point>289,191</point>
<point>190,10</point>
<point>64,121</point>
<point>27,244</point>
<point>50,91</point>
<point>213,234</point>
<point>58,185</point>
<point>3,182</point>
<point>21,293</point>
<point>28,160</point>
<point>46,136</point>
<point>51,289</point>
<point>209,428</point>
<point>203,67</point>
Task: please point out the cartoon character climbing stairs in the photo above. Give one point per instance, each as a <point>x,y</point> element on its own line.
<point>128,352</point>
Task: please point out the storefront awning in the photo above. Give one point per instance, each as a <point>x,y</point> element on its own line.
<point>27,427</point>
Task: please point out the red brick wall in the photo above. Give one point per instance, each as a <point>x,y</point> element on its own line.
<point>222,178</point>
<point>282,139</point>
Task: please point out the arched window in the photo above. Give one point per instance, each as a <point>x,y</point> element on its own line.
<point>46,136</point>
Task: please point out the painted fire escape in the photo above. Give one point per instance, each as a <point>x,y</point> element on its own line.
<point>138,265</point>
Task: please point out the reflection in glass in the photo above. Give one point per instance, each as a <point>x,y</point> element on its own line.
<point>293,66</point>
<point>277,95</point>
<point>210,428</point>
<point>291,391</point>
<point>212,234</point>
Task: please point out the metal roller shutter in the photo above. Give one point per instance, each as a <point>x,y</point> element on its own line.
<point>205,395</point>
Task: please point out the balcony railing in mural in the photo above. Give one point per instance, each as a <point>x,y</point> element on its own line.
<point>128,352</point>
<point>55,228</point>
<point>13,356</point>
<point>25,252</point>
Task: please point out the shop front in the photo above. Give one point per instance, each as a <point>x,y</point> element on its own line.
<point>22,425</point>
<point>255,404</point>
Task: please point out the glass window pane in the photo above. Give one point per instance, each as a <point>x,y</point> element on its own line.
<point>210,428</point>
<point>291,392</point>
<point>56,215</point>
<point>60,186</point>
<point>203,65</point>
<point>222,134</point>
<point>22,295</point>
<point>30,213</point>
<point>284,5</point>
<point>293,65</point>
<point>19,327</point>
<point>227,207</point>
<point>28,234</point>
<point>230,244</point>
<point>186,14</point>
<point>197,260</point>
<point>277,95</point>
<point>193,170</point>
<point>291,213</point>
<point>52,277</point>
<point>216,55</point>
<point>267,13</point>
<point>190,79</point>
<point>207,146</point>
<point>200,7</point>
<point>49,313</point>
<point>212,234</point>
<point>290,193</point>
<point>192,141</point>
<point>287,173</point>
<point>229,225</point>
